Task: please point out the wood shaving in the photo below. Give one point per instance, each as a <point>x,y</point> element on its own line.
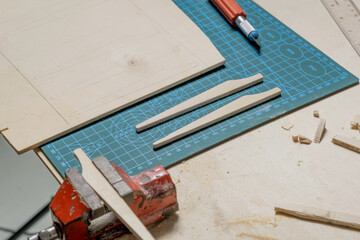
<point>301,139</point>
<point>304,140</point>
<point>316,113</point>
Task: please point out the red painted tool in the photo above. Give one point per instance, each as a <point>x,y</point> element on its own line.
<point>236,16</point>
<point>79,214</point>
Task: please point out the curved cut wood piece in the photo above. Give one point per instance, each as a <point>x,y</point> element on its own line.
<point>229,110</point>
<point>222,90</point>
<point>110,197</point>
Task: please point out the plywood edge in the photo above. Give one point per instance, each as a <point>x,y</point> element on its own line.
<point>49,165</point>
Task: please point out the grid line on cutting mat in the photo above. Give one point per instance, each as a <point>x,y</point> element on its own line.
<point>286,60</point>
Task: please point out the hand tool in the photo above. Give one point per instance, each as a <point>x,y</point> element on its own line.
<point>78,213</point>
<point>318,74</point>
<point>239,105</point>
<point>347,16</point>
<point>220,91</point>
<point>236,16</point>
<point>108,193</point>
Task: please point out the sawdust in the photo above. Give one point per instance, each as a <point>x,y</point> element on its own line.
<point>253,236</point>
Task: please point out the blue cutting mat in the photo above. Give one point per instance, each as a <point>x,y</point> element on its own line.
<point>286,60</point>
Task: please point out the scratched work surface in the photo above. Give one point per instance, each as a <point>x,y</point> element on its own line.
<point>286,60</point>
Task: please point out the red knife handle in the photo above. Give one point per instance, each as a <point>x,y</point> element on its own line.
<point>230,9</point>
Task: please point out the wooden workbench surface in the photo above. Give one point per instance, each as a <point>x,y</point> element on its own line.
<point>229,192</point>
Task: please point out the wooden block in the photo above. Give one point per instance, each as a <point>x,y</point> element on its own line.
<point>110,196</point>
<point>229,110</point>
<point>352,144</point>
<point>316,113</point>
<point>320,131</point>
<point>225,89</point>
<point>65,64</point>
<point>316,214</point>
<point>287,125</point>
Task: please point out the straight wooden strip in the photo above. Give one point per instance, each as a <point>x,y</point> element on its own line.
<point>110,197</point>
<point>316,214</point>
<point>229,110</point>
<point>222,90</point>
<point>352,144</point>
<point>320,131</point>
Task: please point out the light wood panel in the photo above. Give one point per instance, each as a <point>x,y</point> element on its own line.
<point>66,63</point>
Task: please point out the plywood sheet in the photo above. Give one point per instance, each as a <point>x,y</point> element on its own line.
<point>66,63</point>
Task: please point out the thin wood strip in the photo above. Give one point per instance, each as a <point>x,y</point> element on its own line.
<point>220,91</point>
<point>229,110</point>
<point>110,197</point>
<point>320,131</point>
<point>321,215</point>
<point>352,144</point>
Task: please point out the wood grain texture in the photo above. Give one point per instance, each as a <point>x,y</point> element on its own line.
<point>222,90</point>
<point>321,215</point>
<point>349,143</point>
<point>229,110</point>
<point>65,64</point>
<point>110,196</point>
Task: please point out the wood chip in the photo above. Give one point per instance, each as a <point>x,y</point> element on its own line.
<point>295,138</point>
<point>352,144</point>
<point>321,215</point>
<point>320,131</point>
<point>287,125</point>
<point>304,140</point>
<point>316,113</point>
<point>355,124</point>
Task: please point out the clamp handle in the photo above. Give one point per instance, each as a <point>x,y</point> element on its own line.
<point>230,9</point>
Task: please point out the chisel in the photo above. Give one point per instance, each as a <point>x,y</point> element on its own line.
<point>236,16</point>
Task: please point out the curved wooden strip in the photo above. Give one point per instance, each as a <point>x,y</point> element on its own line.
<point>110,197</point>
<point>229,110</point>
<point>222,90</point>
